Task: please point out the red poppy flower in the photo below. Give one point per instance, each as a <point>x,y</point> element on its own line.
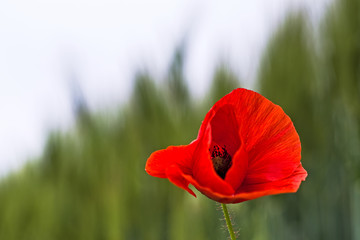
<point>247,147</point>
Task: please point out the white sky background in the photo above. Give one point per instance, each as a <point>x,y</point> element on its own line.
<point>103,42</point>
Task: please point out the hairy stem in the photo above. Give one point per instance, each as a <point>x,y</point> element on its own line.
<point>228,221</point>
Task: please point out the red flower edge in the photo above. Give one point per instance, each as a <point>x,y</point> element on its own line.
<point>246,148</point>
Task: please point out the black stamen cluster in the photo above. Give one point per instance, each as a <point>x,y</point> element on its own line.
<point>221,160</point>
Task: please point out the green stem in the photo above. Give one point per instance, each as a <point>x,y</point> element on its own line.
<point>228,221</point>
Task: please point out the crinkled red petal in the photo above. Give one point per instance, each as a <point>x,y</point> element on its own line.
<point>181,156</point>
<point>270,139</point>
<point>224,128</point>
<point>203,170</point>
<point>286,185</point>
<point>249,192</point>
<point>237,173</point>
<point>176,176</point>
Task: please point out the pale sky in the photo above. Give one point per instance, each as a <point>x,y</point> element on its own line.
<point>103,42</point>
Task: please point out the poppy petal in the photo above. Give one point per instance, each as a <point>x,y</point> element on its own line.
<point>207,191</point>
<point>203,170</point>
<point>280,154</point>
<point>236,174</point>
<point>224,128</point>
<point>175,176</point>
<point>268,134</point>
<point>286,185</point>
<point>159,161</point>
<point>249,192</point>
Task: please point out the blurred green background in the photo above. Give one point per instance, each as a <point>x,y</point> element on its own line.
<point>90,181</point>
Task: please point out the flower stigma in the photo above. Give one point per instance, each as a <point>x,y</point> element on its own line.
<point>221,160</point>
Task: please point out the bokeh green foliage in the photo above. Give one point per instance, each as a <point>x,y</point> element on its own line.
<point>90,182</point>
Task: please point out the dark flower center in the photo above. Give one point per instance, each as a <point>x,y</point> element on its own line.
<point>221,160</point>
